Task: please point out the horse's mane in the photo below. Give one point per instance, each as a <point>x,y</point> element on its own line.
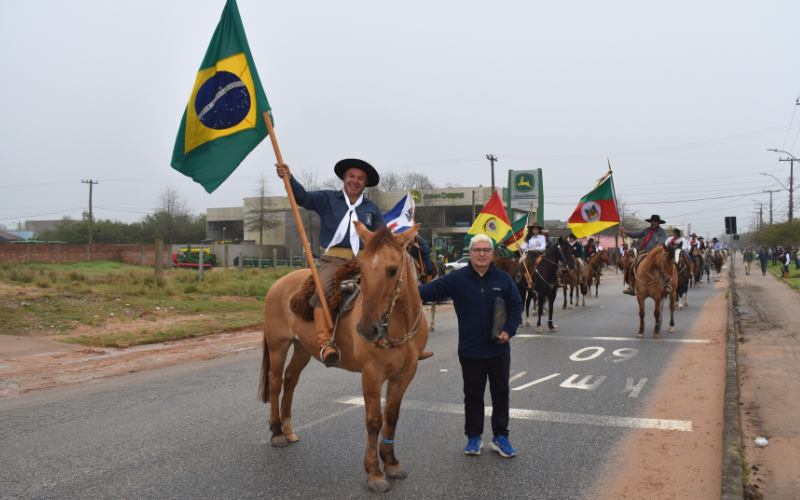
<point>381,236</point>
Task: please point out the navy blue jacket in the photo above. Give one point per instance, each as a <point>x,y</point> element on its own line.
<point>577,249</point>
<point>475,308</point>
<point>331,207</point>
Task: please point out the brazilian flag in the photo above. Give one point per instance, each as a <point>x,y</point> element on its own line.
<point>224,120</point>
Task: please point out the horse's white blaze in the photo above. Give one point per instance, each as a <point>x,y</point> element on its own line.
<point>375,261</point>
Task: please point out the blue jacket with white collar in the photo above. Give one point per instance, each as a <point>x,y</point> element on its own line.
<point>331,207</point>
<point>474,305</point>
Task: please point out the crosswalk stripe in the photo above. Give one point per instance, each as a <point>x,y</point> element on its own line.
<point>549,416</point>
<point>618,339</point>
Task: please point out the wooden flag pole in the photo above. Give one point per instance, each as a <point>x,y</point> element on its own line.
<point>299,221</point>
<point>516,240</point>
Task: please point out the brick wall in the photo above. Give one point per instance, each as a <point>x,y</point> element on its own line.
<point>49,253</point>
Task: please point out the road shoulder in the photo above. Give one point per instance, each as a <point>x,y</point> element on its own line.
<point>768,354</point>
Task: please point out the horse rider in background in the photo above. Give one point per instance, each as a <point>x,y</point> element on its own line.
<point>701,245</point>
<point>577,253</point>
<point>715,244</point>
<point>693,242</point>
<point>589,250</point>
<point>534,240</point>
<point>679,241</point>
<point>418,248</point>
<point>654,236</point>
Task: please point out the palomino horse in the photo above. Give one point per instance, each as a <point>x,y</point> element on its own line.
<point>698,265</point>
<point>595,270</point>
<point>422,278</point>
<point>652,278</point>
<point>545,278</point>
<point>381,337</point>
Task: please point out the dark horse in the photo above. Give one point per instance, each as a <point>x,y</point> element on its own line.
<point>697,262</point>
<point>685,271</point>
<point>545,278</point>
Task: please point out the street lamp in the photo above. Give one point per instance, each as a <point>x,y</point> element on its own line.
<point>791,178</point>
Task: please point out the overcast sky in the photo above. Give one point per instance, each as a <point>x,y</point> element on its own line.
<point>684,97</point>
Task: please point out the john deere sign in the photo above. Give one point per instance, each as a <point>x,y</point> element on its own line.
<point>524,182</point>
<point>525,189</point>
<point>416,195</point>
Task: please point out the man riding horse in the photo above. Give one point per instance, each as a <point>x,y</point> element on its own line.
<point>337,211</point>
<point>577,253</point>
<point>419,250</point>
<point>654,236</point>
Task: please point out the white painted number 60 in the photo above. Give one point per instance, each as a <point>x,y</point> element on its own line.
<point>624,354</point>
<point>576,356</point>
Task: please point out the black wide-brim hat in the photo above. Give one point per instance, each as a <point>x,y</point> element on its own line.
<point>657,219</point>
<point>372,175</point>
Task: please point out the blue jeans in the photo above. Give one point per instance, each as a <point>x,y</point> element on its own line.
<point>763,267</point>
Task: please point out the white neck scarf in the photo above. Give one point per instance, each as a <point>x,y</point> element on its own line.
<point>347,222</point>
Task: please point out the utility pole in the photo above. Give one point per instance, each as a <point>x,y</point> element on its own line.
<point>492,159</point>
<point>770,205</point>
<point>791,185</point>
<point>91,218</point>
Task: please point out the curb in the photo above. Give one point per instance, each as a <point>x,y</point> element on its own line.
<point>732,481</point>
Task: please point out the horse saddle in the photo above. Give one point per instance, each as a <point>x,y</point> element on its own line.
<point>346,279</point>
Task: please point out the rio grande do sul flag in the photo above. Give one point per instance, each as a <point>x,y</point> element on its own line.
<point>224,119</point>
<point>596,211</point>
<point>492,221</point>
<point>517,233</point>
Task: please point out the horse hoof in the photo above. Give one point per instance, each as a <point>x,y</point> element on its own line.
<point>570,306</point>
<point>639,335</point>
<point>539,330</point>
<point>396,473</point>
<point>680,308</point>
<point>378,486</point>
<point>279,442</point>
<point>656,335</point>
<point>553,330</point>
<point>672,329</point>
<point>563,307</point>
<point>292,438</point>
<point>527,323</point>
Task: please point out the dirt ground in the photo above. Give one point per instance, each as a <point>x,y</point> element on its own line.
<point>768,355</point>
<point>673,464</point>
<point>29,364</point>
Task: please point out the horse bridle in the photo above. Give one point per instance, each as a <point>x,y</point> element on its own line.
<point>557,266</point>
<point>389,340</point>
<point>591,266</point>
<point>664,282</point>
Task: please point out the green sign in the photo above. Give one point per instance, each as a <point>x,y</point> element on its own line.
<point>416,195</point>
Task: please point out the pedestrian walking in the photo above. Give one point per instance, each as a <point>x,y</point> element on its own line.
<point>787,258</point>
<point>763,258</point>
<point>475,289</point>
<point>774,255</point>
<point>748,259</point>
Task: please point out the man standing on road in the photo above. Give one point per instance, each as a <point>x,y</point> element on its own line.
<point>748,260</point>
<point>653,236</point>
<point>474,289</point>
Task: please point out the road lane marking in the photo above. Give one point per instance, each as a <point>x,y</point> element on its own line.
<point>584,383</point>
<point>549,416</point>
<point>634,389</point>
<point>515,377</point>
<point>525,386</point>
<point>620,339</point>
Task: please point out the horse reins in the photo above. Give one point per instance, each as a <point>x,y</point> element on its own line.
<point>392,341</point>
<point>558,269</point>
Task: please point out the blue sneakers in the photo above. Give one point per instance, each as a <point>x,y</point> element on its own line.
<point>501,445</point>
<point>474,446</point>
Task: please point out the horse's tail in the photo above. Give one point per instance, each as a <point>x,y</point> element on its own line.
<point>263,383</point>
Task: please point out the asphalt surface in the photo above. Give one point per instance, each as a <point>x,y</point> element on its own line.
<point>196,431</point>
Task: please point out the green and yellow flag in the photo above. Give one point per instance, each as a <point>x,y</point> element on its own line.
<point>224,120</point>
<point>492,221</point>
<point>516,234</point>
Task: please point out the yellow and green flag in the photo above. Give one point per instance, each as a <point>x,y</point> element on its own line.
<point>492,221</point>
<point>516,235</point>
<point>224,119</point>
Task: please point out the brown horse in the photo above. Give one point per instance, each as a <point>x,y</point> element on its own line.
<point>697,262</point>
<point>422,278</point>
<point>595,265</point>
<point>576,282</point>
<point>655,277</point>
<point>381,337</point>
<point>516,269</point>
<point>685,271</point>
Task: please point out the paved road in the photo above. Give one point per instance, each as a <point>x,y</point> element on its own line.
<point>197,431</point>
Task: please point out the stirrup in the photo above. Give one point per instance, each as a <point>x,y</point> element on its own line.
<point>338,355</point>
